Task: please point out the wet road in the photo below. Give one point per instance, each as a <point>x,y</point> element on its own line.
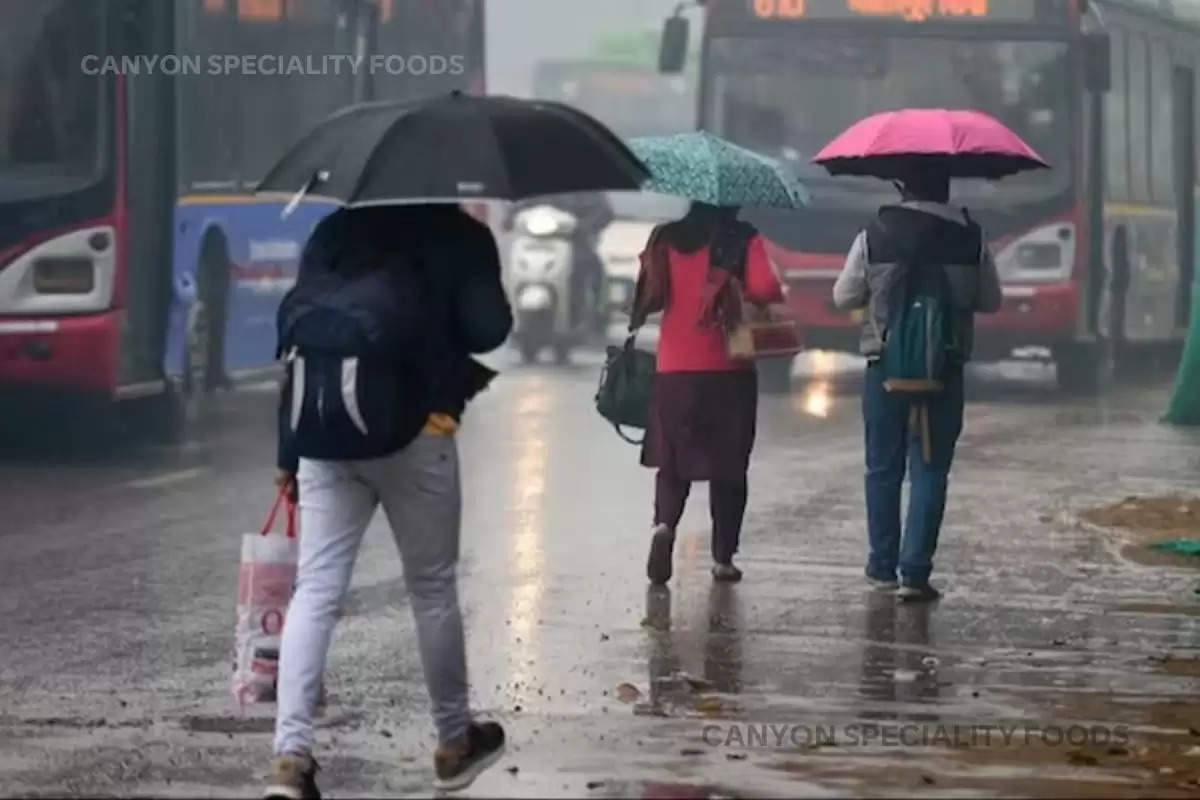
<point>1052,666</point>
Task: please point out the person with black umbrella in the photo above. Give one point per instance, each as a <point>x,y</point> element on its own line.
<point>389,304</point>
<point>377,335</point>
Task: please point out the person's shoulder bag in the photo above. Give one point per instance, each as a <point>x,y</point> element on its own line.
<point>623,397</point>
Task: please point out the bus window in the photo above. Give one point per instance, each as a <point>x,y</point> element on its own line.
<point>1162,166</point>
<point>1139,119</point>
<point>1116,123</point>
<point>50,108</point>
<point>280,105</point>
<point>209,122</point>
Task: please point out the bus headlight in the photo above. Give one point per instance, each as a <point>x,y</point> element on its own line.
<point>1040,255</point>
<point>1043,254</point>
<point>64,275</point>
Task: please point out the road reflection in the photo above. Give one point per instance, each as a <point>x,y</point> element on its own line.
<point>716,642</point>
<point>526,555</point>
<point>898,667</point>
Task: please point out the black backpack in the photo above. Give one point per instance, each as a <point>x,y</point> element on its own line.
<point>352,338</point>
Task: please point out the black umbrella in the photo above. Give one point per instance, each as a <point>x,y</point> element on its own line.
<point>452,148</point>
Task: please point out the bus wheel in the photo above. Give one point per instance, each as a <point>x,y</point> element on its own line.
<point>530,350</point>
<point>212,294</point>
<point>192,398</point>
<point>165,414</point>
<point>775,375</point>
<point>1084,369</point>
<point>203,361</point>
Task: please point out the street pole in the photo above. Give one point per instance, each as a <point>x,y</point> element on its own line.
<point>366,19</point>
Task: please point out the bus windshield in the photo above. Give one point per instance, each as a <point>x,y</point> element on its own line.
<point>788,97</point>
<point>50,108</point>
<point>631,101</point>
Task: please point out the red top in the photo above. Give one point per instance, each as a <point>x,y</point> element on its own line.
<point>685,346</point>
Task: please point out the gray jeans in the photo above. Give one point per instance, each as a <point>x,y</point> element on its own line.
<point>420,492</point>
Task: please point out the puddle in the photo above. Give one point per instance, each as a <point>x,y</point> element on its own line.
<point>1165,609</point>
<point>228,724</point>
<point>1148,520</point>
<point>74,723</point>
<point>238,725</point>
<point>1092,417</point>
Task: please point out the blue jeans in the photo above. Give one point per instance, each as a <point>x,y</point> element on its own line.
<point>889,442</point>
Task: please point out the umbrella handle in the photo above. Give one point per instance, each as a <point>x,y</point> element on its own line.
<point>294,203</point>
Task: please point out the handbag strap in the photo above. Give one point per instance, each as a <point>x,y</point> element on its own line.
<point>621,433</point>
<point>291,515</point>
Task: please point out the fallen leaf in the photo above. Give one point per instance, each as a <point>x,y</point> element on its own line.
<point>927,780</point>
<point>708,705</point>
<point>735,756</point>
<point>1081,759</point>
<point>628,693</point>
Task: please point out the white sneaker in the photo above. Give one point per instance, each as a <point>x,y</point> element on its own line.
<point>918,593</point>
<point>882,585</point>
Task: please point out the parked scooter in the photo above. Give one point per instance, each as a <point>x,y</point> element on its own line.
<point>545,248</point>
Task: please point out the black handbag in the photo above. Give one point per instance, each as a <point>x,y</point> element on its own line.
<point>623,397</point>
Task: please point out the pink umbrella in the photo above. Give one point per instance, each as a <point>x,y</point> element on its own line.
<point>961,144</point>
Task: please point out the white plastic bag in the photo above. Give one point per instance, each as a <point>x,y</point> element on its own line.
<point>265,582</point>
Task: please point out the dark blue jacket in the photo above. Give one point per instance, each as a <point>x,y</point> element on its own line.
<point>465,308</point>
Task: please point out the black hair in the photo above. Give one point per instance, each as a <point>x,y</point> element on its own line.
<point>931,186</point>
<point>697,228</point>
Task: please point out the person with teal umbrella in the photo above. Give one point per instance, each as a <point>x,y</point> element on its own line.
<point>698,271</point>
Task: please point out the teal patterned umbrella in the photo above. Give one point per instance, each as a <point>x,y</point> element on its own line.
<point>707,169</point>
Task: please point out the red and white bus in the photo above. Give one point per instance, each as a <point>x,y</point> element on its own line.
<point>1097,255</point>
<point>134,259</point>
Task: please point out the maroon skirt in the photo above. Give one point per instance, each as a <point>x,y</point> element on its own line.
<point>702,424</point>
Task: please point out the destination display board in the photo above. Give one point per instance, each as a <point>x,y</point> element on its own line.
<point>909,11</point>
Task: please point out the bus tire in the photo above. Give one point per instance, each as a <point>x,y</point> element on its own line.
<point>203,363</point>
<point>775,375</point>
<point>529,351</point>
<point>167,415</point>
<point>212,293</point>
<point>1084,369</point>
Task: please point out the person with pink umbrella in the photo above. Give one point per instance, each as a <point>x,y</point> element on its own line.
<point>920,270</point>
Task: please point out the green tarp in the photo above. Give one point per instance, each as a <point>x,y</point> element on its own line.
<point>1185,402</point>
<point>1179,547</point>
